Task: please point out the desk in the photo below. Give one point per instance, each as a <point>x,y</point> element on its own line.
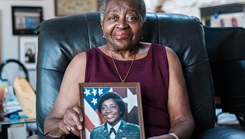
<point>7,122</point>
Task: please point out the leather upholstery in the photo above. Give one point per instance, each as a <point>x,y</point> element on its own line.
<point>226,50</point>
<point>60,39</point>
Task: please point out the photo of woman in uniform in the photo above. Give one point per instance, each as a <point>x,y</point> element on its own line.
<point>112,108</point>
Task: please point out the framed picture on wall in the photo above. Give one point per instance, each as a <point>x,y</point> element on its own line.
<point>26,19</point>
<point>228,20</point>
<point>105,104</point>
<point>28,51</point>
<point>70,7</point>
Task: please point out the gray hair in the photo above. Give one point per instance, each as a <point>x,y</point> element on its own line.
<point>142,9</point>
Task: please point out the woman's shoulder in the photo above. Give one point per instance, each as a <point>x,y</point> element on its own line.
<point>99,128</point>
<point>80,56</point>
<point>168,50</point>
<point>78,61</point>
<point>130,125</point>
<point>162,47</point>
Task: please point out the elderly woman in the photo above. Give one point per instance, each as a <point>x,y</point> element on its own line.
<point>112,108</point>
<point>124,58</point>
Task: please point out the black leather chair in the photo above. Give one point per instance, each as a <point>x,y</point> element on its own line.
<point>226,52</point>
<point>60,39</point>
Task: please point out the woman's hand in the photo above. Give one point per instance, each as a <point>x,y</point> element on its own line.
<point>72,121</point>
<point>66,116</point>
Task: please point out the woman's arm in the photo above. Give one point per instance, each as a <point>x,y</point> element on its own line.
<point>66,115</point>
<point>181,120</point>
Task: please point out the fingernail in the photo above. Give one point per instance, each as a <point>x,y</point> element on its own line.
<point>80,127</point>
<point>81,119</point>
<point>68,128</point>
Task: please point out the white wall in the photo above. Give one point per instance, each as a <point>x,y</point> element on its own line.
<point>192,7</point>
<point>9,42</point>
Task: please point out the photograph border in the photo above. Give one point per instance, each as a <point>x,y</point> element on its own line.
<point>23,41</point>
<point>135,85</point>
<point>71,7</point>
<point>228,20</point>
<point>28,12</point>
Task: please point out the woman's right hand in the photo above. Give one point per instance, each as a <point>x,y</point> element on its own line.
<point>72,121</point>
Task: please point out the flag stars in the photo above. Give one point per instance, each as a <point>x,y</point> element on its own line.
<point>100,91</point>
<point>131,99</point>
<point>94,92</point>
<point>94,101</point>
<point>87,92</point>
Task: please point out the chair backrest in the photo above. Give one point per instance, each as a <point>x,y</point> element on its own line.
<point>60,39</point>
<point>226,51</point>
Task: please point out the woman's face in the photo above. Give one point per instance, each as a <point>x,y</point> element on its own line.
<point>110,111</point>
<point>122,24</point>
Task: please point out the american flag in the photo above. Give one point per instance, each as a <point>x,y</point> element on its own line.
<point>92,116</point>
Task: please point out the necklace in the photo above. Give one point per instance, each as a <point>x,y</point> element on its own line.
<point>123,80</point>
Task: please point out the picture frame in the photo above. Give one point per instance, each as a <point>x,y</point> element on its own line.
<point>26,19</point>
<point>228,20</point>
<point>89,98</point>
<point>70,7</point>
<point>28,51</point>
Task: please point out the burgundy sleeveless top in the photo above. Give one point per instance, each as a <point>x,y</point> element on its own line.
<point>153,75</point>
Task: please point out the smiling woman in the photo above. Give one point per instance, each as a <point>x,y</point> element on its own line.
<point>112,108</point>
<point>111,104</point>
<point>122,33</point>
<point>124,58</point>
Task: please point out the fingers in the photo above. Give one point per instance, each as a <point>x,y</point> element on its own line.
<point>79,112</point>
<point>68,128</point>
<point>65,128</point>
<point>72,129</point>
<point>73,120</point>
<point>79,120</point>
<point>76,132</point>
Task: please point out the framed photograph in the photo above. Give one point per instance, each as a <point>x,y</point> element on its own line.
<point>28,51</point>
<point>111,105</point>
<point>26,19</point>
<point>228,20</point>
<point>70,7</point>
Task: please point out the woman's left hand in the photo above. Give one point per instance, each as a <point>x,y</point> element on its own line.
<point>73,119</point>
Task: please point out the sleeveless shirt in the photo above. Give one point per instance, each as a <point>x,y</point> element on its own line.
<point>152,73</point>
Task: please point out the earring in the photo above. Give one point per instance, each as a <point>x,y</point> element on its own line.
<point>103,36</point>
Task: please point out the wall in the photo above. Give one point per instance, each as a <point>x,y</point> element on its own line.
<point>192,6</point>
<point>9,42</point>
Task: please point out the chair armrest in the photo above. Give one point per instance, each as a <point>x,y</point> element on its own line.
<point>222,133</point>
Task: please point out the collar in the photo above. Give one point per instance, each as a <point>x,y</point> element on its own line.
<point>116,127</point>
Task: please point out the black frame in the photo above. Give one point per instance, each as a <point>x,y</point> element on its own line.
<point>30,18</point>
